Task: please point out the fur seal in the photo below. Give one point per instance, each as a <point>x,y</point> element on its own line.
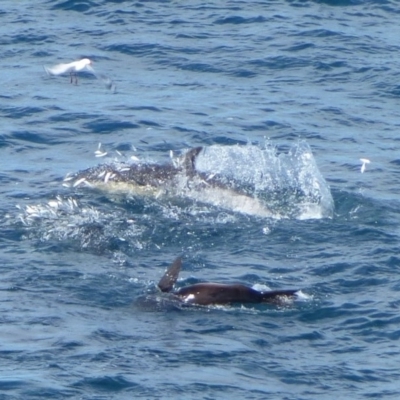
<point>217,293</point>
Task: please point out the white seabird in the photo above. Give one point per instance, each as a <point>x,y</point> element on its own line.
<point>364,161</point>
<point>73,67</point>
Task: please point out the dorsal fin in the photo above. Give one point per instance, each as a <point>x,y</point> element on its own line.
<point>169,279</point>
<point>190,159</point>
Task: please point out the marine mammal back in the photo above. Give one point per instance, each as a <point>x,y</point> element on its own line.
<point>179,180</point>
<point>150,175</point>
<point>217,293</point>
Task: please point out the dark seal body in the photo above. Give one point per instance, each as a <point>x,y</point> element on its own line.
<point>217,293</point>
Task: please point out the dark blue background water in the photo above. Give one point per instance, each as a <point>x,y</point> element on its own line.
<point>187,74</point>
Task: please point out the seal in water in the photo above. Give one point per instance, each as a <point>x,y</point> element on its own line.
<point>217,293</point>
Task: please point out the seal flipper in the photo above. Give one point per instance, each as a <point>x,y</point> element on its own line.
<point>169,279</point>
<point>273,296</point>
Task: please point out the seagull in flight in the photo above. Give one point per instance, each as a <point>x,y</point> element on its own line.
<point>364,161</point>
<point>73,67</point>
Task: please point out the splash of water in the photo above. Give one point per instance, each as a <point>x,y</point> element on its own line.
<point>289,184</point>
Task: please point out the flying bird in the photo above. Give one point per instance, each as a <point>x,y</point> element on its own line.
<point>364,161</point>
<point>73,67</point>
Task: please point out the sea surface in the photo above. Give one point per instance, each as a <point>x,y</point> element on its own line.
<point>247,81</point>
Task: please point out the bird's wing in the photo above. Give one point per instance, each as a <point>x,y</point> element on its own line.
<point>105,79</point>
<point>59,69</point>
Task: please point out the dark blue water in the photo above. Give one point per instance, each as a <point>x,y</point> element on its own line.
<point>75,262</point>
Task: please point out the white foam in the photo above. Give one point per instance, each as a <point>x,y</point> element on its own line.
<point>301,296</point>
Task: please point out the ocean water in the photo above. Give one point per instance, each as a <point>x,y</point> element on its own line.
<point>251,82</point>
